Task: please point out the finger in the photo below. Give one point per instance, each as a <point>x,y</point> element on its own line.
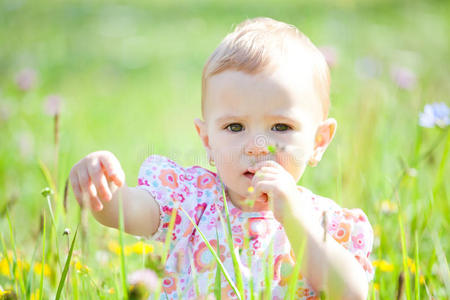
<point>261,188</point>
<point>98,179</point>
<point>76,187</point>
<point>266,163</point>
<point>112,168</point>
<point>89,191</point>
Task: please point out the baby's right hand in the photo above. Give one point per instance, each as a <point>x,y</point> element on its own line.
<point>95,177</point>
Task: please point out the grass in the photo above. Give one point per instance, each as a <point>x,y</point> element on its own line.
<point>124,71</point>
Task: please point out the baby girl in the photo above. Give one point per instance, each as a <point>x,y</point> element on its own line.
<point>265,101</point>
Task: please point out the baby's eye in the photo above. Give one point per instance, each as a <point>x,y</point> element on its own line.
<point>281,127</point>
<point>234,127</point>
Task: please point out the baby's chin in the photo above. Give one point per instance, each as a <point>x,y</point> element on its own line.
<point>260,204</point>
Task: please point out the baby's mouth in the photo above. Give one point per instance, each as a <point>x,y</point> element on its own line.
<point>249,175</point>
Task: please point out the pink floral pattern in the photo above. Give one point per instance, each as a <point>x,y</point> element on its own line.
<point>199,192</point>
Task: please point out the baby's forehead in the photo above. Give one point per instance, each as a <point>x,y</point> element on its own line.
<point>282,89</point>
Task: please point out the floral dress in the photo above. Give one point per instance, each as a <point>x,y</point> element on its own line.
<point>191,268</point>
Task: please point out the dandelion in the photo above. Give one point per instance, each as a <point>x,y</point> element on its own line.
<point>38,267</point>
<point>435,114</point>
<point>4,267</point>
<point>376,286</point>
<point>114,247</point>
<point>383,265</point>
<point>403,77</point>
<point>330,55</point>
<point>141,248</point>
<point>83,269</point>
<point>26,79</point>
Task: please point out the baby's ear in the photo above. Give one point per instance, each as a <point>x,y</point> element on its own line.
<point>200,126</point>
<point>324,135</point>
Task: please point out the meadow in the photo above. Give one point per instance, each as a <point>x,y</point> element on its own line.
<point>81,76</point>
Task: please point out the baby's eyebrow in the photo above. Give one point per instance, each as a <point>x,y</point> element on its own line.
<point>227,117</point>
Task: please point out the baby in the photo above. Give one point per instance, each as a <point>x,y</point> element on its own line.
<point>265,101</point>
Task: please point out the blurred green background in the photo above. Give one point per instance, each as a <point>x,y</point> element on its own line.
<point>128,75</point>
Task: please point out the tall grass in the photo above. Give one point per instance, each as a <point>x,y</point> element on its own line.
<point>123,70</point>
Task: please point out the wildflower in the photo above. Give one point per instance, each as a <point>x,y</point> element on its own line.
<point>38,269</point>
<point>330,55</point>
<point>111,291</point>
<point>53,105</point>
<point>367,67</point>
<point>435,114</point>
<point>403,77</point>
<point>114,247</point>
<point>4,267</point>
<point>376,286</point>
<point>47,192</point>
<point>411,265</point>
<point>26,79</point>
<point>35,295</point>
<point>81,268</point>
<point>388,207</point>
<point>141,248</point>
<point>145,277</point>
<point>251,189</point>
<point>383,265</point>
<point>66,231</point>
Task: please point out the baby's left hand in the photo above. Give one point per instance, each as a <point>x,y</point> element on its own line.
<point>272,182</point>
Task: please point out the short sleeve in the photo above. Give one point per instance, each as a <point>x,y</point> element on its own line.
<point>351,228</point>
<point>171,186</point>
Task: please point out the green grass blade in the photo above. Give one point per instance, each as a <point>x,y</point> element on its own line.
<point>249,262</point>
<point>417,264</point>
<point>217,284</point>
<point>62,280</point>
<point>168,239</point>
<point>405,258</point>
<point>292,284</point>
<point>237,271</point>
<point>123,274</point>
<point>213,252</point>
<point>15,264</point>
<point>268,274</point>
<point>41,282</point>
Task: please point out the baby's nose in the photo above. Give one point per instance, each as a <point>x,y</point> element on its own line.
<point>257,145</point>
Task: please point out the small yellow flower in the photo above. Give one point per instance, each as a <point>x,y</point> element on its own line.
<point>80,267</point>
<point>4,293</point>
<point>114,247</point>
<point>141,248</point>
<point>376,286</point>
<point>383,265</point>
<point>251,189</point>
<point>388,207</point>
<point>111,291</point>
<point>411,265</point>
<point>35,295</point>
<point>422,279</point>
<point>38,269</point>
<point>4,267</point>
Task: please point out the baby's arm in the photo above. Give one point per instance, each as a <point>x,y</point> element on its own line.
<point>99,179</point>
<point>326,264</point>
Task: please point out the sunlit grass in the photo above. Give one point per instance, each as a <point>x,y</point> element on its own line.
<point>124,72</point>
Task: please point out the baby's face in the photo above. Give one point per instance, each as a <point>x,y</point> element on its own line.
<point>252,118</point>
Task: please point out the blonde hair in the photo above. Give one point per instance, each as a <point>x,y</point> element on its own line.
<point>255,45</point>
